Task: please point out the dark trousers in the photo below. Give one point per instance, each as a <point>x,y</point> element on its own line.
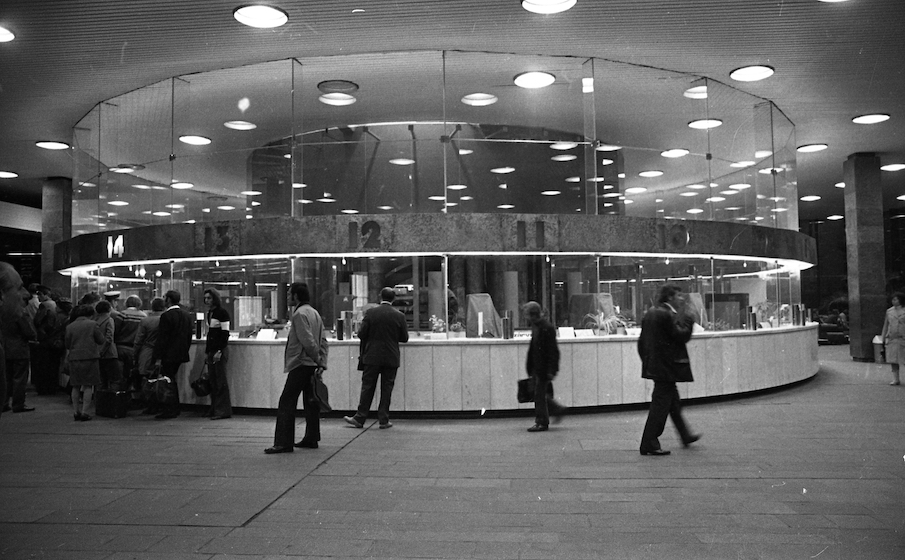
<point>544,405</point>
<point>16,382</point>
<point>171,370</point>
<point>221,405</point>
<point>45,370</point>
<point>298,381</point>
<point>664,402</point>
<point>111,375</point>
<point>369,376</point>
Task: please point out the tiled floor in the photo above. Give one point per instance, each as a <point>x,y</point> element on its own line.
<point>816,471</point>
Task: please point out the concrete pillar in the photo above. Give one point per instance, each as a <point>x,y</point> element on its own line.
<point>865,252</point>
<point>56,226</point>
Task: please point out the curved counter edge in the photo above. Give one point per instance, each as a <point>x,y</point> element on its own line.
<point>455,376</point>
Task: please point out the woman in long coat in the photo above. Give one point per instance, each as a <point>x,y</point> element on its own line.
<point>893,335</point>
<point>83,343</point>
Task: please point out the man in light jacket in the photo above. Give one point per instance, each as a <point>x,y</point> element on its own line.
<point>306,352</point>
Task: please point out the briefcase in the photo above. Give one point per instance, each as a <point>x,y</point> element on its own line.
<point>112,404</point>
<point>321,394</point>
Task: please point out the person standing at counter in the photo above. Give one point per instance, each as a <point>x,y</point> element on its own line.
<point>306,352</point>
<point>665,329</point>
<point>543,365</point>
<point>215,349</point>
<point>174,339</point>
<point>382,329</point>
<point>893,335</point>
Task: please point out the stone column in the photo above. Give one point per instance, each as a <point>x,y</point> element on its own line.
<point>865,252</point>
<point>56,226</point>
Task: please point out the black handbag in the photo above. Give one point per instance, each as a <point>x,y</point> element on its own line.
<point>202,385</point>
<point>321,393</point>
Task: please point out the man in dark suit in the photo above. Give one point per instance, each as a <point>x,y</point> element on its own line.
<point>174,339</point>
<point>382,329</point>
<point>543,365</point>
<point>665,329</point>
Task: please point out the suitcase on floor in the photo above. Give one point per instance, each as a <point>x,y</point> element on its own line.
<point>112,404</point>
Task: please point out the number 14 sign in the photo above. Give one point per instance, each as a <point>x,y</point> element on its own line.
<point>115,246</point>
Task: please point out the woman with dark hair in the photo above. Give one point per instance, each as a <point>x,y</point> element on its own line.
<point>83,343</point>
<point>893,335</point>
<point>217,338</point>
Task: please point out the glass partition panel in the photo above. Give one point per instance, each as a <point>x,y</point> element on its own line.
<point>87,174</point>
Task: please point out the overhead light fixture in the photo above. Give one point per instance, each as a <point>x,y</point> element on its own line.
<point>810,198</point>
<point>337,99</point>
<point>299,185</point>
<point>479,99</point>
<point>402,161</point>
<point>534,80</point>
<point>457,187</point>
<point>705,124</point>
<point>52,145</point>
<point>384,207</point>
<point>505,206</point>
<point>635,190</point>
<point>696,92</point>
<point>226,207</point>
<point>326,199</point>
<point>729,193</point>
<point>551,193</point>
<point>688,193</point>
<point>832,1</point>
<point>573,179</point>
<point>606,161</point>
<point>126,168</point>
<point>261,17</point>
<point>587,85</point>
<point>160,213</point>
<point>893,167</point>
<point>751,73</point>
<point>251,193</point>
<point>547,6</point>
<point>502,170</point>
<point>835,217</point>
<point>6,35</point>
<point>871,119</point>
<point>714,199</point>
<point>465,151</point>
<point>694,210</point>
<point>118,203</point>
<point>675,153</point>
<point>8,175</point>
<point>563,145</point>
<point>564,157</point>
<point>770,170</point>
<point>240,125</point>
<point>195,140</point>
<point>611,195</point>
<point>337,86</point>
<point>839,185</point>
<point>175,206</point>
<point>740,186</point>
<point>652,173</point>
<point>182,185</point>
<point>608,148</point>
<point>349,211</point>
<point>437,197</point>
<point>697,186</point>
<point>809,148</point>
<point>742,164</point>
<point>466,198</point>
<point>900,197</point>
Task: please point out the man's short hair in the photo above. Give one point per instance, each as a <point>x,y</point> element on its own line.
<point>532,308</point>
<point>173,295</point>
<point>157,304</point>
<point>667,291</point>
<point>103,306</point>
<point>300,289</point>
<point>133,301</point>
<point>387,294</point>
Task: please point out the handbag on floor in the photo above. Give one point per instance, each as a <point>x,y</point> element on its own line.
<point>202,385</point>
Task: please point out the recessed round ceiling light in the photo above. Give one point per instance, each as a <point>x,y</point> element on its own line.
<point>740,186</point>
<point>505,206</point>
<point>299,185</point>
<point>52,145</point>
<point>770,170</point>
<point>628,201</point>
<point>337,86</point>
<point>729,193</point>
<point>694,210</point>
<point>287,156</point>
<point>534,80</point>
<point>697,186</point>
<point>573,179</point>
<point>563,145</point>
<point>564,157</point>
<point>8,175</point>
<point>6,35</point>
<point>261,17</point>
<point>696,92</point>
<point>612,195</point>
<point>900,197</point>
<point>835,217</point>
<point>777,198</point>
<point>741,164</point>
<point>465,151</point>
<point>810,198</point>
<point>503,186</point>
<point>305,201</point>
<point>732,208</point>
<point>635,190</point>
<point>194,140</point>
<point>118,203</point>
<point>349,211</point>
<point>652,173</point>
<point>337,99</point>
<point>384,207</point>
<point>608,148</point>
<point>714,199</point>
<point>160,213</point>
<point>597,180</point>
<point>839,185</point>
<point>176,206</point>
<point>871,119</point>
<point>226,207</point>
<point>402,161</point>
<point>127,168</point>
<point>808,148</point>
<point>751,73</point>
<point>502,170</point>
<point>688,193</point>
<point>550,193</point>
<point>675,153</point>
<point>621,175</point>
<point>437,197</point>
<point>466,198</point>
<point>251,193</point>
<point>705,124</point>
<point>763,153</point>
<point>479,99</point>
<point>456,187</point>
<point>779,209</point>
<point>547,6</point>
<point>893,167</point>
<point>606,161</point>
<point>182,185</point>
<point>240,125</point>
<point>255,203</point>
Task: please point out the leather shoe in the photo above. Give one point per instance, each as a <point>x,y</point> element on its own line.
<point>538,428</point>
<point>691,439</point>
<point>306,444</point>
<point>24,409</point>
<point>84,417</point>
<point>385,426</point>
<point>655,452</point>
<point>353,422</point>
<point>277,449</point>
